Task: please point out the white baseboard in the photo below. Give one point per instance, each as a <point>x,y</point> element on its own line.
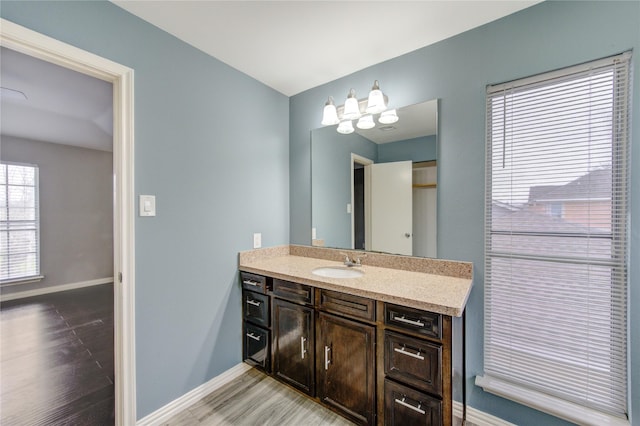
<point>176,406</point>
<point>478,417</point>
<point>54,289</point>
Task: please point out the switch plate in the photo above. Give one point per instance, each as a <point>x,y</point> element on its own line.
<point>147,205</point>
<point>313,233</point>
<point>257,240</point>
<point>348,208</point>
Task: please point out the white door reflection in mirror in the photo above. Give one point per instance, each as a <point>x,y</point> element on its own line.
<point>390,226</point>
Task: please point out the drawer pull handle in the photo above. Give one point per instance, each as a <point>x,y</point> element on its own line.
<point>253,302</point>
<point>404,351</point>
<point>253,336</point>
<point>406,404</point>
<point>302,349</point>
<point>408,321</point>
<point>253,283</point>
<point>327,361</point>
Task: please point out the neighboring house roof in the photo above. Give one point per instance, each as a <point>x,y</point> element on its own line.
<point>524,220</point>
<point>595,185</point>
<point>529,233</point>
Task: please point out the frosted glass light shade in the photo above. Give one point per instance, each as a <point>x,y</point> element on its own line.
<point>388,117</point>
<point>345,127</point>
<point>351,107</point>
<point>376,103</point>
<point>330,114</point>
<point>366,122</point>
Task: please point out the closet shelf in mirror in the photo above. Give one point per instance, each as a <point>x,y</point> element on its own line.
<point>425,185</point>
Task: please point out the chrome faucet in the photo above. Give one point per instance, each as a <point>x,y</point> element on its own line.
<point>355,261</point>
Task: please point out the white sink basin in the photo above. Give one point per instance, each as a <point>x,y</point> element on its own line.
<point>337,272</point>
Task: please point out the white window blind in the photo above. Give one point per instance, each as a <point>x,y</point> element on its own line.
<point>19,222</point>
<point>556,234</point>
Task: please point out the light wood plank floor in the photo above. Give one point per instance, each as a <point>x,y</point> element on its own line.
<point>256,399</point>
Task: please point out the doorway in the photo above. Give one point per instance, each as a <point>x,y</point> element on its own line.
<point>23,40</point>
<point>57,242</point>
<point>358,200</point>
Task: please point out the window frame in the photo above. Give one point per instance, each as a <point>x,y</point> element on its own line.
<point>37,276</point>
<point>504,387</point>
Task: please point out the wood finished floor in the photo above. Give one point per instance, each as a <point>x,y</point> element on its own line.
<point>56,359</point>
<point>256,399</point>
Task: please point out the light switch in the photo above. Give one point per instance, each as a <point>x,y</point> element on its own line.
<point>348,208</point>
<point>147,205</point>
<point>257,240</point>
<point>313,233</point>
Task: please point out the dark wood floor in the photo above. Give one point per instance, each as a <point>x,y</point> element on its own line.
<point>56,359</point>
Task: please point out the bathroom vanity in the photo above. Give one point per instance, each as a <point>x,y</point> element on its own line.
<point>376,348</point>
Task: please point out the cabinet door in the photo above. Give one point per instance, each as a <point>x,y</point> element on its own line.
<point>293,351</point>
<point>346,367</point>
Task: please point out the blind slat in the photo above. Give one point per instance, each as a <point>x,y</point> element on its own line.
<point>556,233</point>
<point>19,222</point>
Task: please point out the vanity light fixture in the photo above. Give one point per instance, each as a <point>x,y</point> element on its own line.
<point>362,110</point>
<point>366,122</point>
<point>345,127</point>
<point>376,102</point>
<point>388,117</point>
<point>330,114</point>
<point>351,108</point>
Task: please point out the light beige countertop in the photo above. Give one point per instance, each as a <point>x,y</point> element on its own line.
<point>444,294</point>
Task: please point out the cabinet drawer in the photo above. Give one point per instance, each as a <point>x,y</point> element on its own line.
<point>426,323</point>
<point>254,282</point>
<point>348,305</point>
<point>413,361</point>
<point>404,406</point>
<point>293,291</point>
<point>256,308</point>
<point>256,346</point>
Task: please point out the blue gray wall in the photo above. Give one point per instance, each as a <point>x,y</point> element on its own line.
<point>218,178</point>
<point>331,176</point>
<point>545,37</point>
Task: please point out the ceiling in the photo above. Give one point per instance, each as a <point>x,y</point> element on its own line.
<point>293,46</point>
<point>413,121</point>
<point>290,46</point>
<point>46,102</point>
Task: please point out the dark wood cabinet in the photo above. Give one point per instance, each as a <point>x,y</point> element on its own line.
<point>256,308</point>
<point>413,361</point>
<point>293,345</point>
<point>346,367</point>
<point>256,346</point>
<point>374,362</point>
<point>404,406</point>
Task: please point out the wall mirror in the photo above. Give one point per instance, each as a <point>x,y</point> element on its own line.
<point>376,189</point>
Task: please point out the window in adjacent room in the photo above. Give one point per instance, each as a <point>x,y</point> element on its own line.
<point>19,223</point>
<point>556,236</point>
